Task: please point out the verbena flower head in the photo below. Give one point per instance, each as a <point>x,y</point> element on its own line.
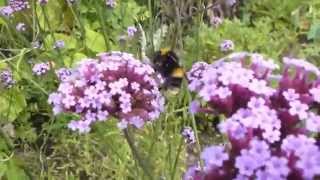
<point>72,1</point>
<point>43,2</point>
<point>231,2</point>
<point>226,45</point>
<point>21,27</point>
<point>112,85</point>
<point>63,74</point>
<point>19,5</point>
<point>188,135</point>
<point>41,68</point>
<point>268,120</point>
<point>6,79</point>
<point>59,44</point>
<point>6,11</point>
<point>36,44</point>
<point>216,21</point>
<point>111,3</point>
<point>131,31</point>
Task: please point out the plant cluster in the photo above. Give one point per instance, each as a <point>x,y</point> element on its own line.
<point>270,118</point>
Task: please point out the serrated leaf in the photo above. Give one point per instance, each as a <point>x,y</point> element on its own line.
<point>12,102</point>
<point>14,172</point>
<point>314,33</point>
<point>95,41</point>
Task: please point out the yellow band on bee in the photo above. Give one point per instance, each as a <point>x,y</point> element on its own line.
<point>177,73</point>
<point>164,51</point>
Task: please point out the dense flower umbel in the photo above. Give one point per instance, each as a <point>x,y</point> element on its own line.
<point>226,45</point>
<point>216,21</point>
<point>6,79</point>
<point>268,120</point>
<point>113,85</point>
<point>21,27</point>
<point>63,74</point>
<point>43,2</point>
<point>6,11</point>
<point>41,68</point>
<point>14,6</point>
<point>131,30</point>
<point>59,44</point>
<point>111,3</point>
<point>188,135</point>
<point>19,5</point>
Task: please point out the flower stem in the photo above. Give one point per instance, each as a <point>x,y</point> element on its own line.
<point>136,154</point>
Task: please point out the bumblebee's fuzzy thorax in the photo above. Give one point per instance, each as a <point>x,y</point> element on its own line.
<point>166,62</point>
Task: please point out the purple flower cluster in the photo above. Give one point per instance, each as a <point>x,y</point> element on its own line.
<point>6,79</point>
<point>131,30</point>
<point>14,6</point>
<point>269,121</point>
<point>188,135</point>
<point>63,74</point>
<point>111,3</point>
<point>21,27</point>
<point>231,2</point>
<point>19,5</point>
<point>41,68</point>
<point>216,21</point>
<point>59,44</point>
<point>112,85</point>
<point>226,45</point>
<point>43,2</point>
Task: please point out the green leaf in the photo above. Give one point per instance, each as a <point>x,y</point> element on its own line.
<point>2,2</point>
<point>14,172</point>
<point>12,102</point>
<point>314,33</point>
<point>3,169</point>
<point>95,40</point>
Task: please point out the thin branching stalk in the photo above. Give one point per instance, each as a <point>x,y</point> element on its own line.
<point>24,75</point>
<point>136,154</point>
<point>176,161</point>
<point>102,24</point>
<point>194,126</point>
<point>151,24</point>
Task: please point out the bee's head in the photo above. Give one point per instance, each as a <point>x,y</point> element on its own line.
<point>164,51</point>
<point>161,57</point>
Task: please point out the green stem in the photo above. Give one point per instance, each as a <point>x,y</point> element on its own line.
<point>50,29</point>
<point>136,154</point>
<point>194,126</point>
<point>176,160</point>
<point>199,19</point>
<point>151,26</point>
<point>78,19</point>
<point>24,75</point>
<point>102,24</point>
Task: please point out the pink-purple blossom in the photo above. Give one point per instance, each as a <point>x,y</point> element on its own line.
<point>43,2</point>
<point>188,135</point>
<point>216,21</point>
<point>21,27</point>
<point>226,45</point>
<point>268,121</point>
<point>41,68</point>
<point>131,30</point>
<point>111,3</point>
<point>112,85</point>
<point>6,79</point>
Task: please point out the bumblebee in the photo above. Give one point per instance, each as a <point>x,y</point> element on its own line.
<point>166,62</point>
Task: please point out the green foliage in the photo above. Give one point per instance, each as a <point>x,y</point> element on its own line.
<point>259,38</point>
<point>12,103</point>
<point>35,144</point>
